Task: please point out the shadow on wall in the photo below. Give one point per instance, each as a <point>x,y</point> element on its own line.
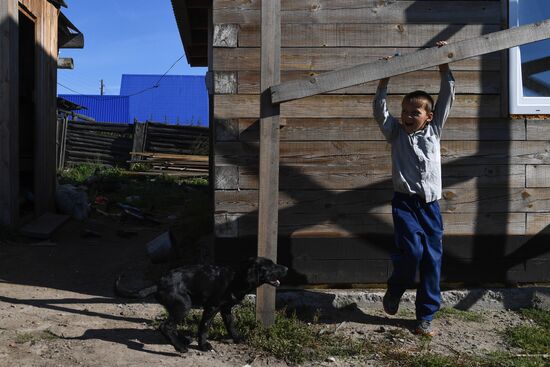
<point>488,258</point>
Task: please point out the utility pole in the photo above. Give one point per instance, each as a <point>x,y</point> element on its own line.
<point>102,87</point>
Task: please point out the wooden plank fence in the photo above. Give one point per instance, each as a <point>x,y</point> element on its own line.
<point>174,148</point>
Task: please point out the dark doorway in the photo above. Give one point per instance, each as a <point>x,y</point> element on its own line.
<point>27,113</point>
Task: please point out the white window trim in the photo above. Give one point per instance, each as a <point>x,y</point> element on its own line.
<point>520,105</point>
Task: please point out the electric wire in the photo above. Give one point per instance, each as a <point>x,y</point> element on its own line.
<point>156,85</point>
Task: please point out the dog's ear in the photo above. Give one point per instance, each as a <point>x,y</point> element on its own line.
<point>252,271</point>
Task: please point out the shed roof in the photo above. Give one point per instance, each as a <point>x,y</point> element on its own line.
<point>101,108</point>
<point>58,3</point>
<point>192,19</point>
<point>177,99</point>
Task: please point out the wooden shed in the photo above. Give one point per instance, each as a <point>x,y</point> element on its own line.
<point>32,31</point>
<point>334,221</point>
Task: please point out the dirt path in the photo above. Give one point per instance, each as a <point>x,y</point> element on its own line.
<point>57,308</point>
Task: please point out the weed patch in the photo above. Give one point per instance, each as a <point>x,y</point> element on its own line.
<point>510,360</point>
<point>288,339</point>
<point>45,335</point>
<point>533,339</point>
<point>453,313</point>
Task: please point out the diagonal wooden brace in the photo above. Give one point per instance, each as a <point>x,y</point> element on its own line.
<point>422,59</point>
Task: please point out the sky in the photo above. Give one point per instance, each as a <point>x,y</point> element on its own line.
<point>121,37</point>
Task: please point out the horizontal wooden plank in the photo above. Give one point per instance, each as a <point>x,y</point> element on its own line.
<point>362,73</point>
<point>100,125</point>
<point>230,106</point>
<point>537,175</point>
<point>337,203</point>
<point>300,225</point>
<point>468,82</point>
<point>380,246</point>
<point>341,271</point>
<point>365,35</point>
<point>304,129</point>
<point>314,260</point>
<point>378,152</point>
<point>538,223</point>
<point>538,129</point>
<point>378,176</point>
<point>316,59</point>
<point>361,11</point>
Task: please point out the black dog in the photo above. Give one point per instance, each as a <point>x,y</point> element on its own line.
<point>216,289</point>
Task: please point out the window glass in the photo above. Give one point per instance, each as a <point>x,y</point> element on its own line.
<point>529,64</point>
<point>535,57</point>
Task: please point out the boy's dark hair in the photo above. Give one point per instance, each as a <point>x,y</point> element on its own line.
<point>421,97</point>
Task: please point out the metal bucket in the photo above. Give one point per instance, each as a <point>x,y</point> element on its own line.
<point>160,248</point>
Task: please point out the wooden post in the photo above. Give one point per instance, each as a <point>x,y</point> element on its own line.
<point>269,152</point>
<point>9,112</point>
<point>139,141</point>
<point>63,125</point>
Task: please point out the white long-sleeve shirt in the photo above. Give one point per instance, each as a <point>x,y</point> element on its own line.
<point>416,157</point>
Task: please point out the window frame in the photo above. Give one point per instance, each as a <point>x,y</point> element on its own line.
<point>519,104</point>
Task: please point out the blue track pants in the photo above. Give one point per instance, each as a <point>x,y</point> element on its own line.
<point>418,234</point>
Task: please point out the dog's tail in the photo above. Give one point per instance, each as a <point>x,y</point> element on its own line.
<point>133,293</point>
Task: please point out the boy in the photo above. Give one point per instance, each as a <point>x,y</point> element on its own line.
<point>416,174</point>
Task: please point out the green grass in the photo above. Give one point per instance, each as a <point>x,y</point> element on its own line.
<point>78,174</point>
<point>395,357</point>
<point>509,360</point>
<point>288,339</point>
<point>160,193</point>
<point>34,337</point>
<point>453,313</point>
<point>296,342</point>
<point>437,360</point>
<point>533,339</point>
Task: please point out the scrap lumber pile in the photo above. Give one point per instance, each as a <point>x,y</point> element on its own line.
<point>181,164</point>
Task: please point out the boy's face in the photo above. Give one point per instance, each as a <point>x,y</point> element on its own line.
<point>414,116</point>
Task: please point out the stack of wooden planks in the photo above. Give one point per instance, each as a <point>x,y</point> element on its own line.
<point>181,164</point>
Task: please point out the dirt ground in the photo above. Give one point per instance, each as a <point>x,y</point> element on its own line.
<point>57,308</point>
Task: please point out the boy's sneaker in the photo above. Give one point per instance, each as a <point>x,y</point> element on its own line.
<point>390,303</point>
<point>424,327</point>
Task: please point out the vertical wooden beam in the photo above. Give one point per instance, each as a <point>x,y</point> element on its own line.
<point>138,144</point>
<point>211,121</point>
<point>504,73</point>
<point>45,171</point>
<point>269,152</point>
<point>62,136</point>
<point>9,112</point>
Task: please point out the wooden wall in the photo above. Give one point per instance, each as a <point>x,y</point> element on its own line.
<point>46,17</point>
<point>335,168</point>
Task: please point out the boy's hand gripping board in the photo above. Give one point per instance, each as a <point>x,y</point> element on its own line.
<point>347,77</point>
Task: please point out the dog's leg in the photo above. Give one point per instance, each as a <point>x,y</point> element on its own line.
<point>228,321</point>
<point>177,308</point>
<point>170,331</point>
<point>206,320</point>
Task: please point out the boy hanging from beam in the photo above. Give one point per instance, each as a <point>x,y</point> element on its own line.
<point>416,176</point>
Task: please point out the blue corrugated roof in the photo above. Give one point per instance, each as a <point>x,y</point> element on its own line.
<point>178,99</point>
<point>102,108</point>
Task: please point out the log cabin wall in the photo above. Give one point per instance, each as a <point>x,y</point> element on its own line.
<point>335,171</point>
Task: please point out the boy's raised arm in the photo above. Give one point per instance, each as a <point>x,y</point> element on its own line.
<point>445,98</point>
<point>386,121</point>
